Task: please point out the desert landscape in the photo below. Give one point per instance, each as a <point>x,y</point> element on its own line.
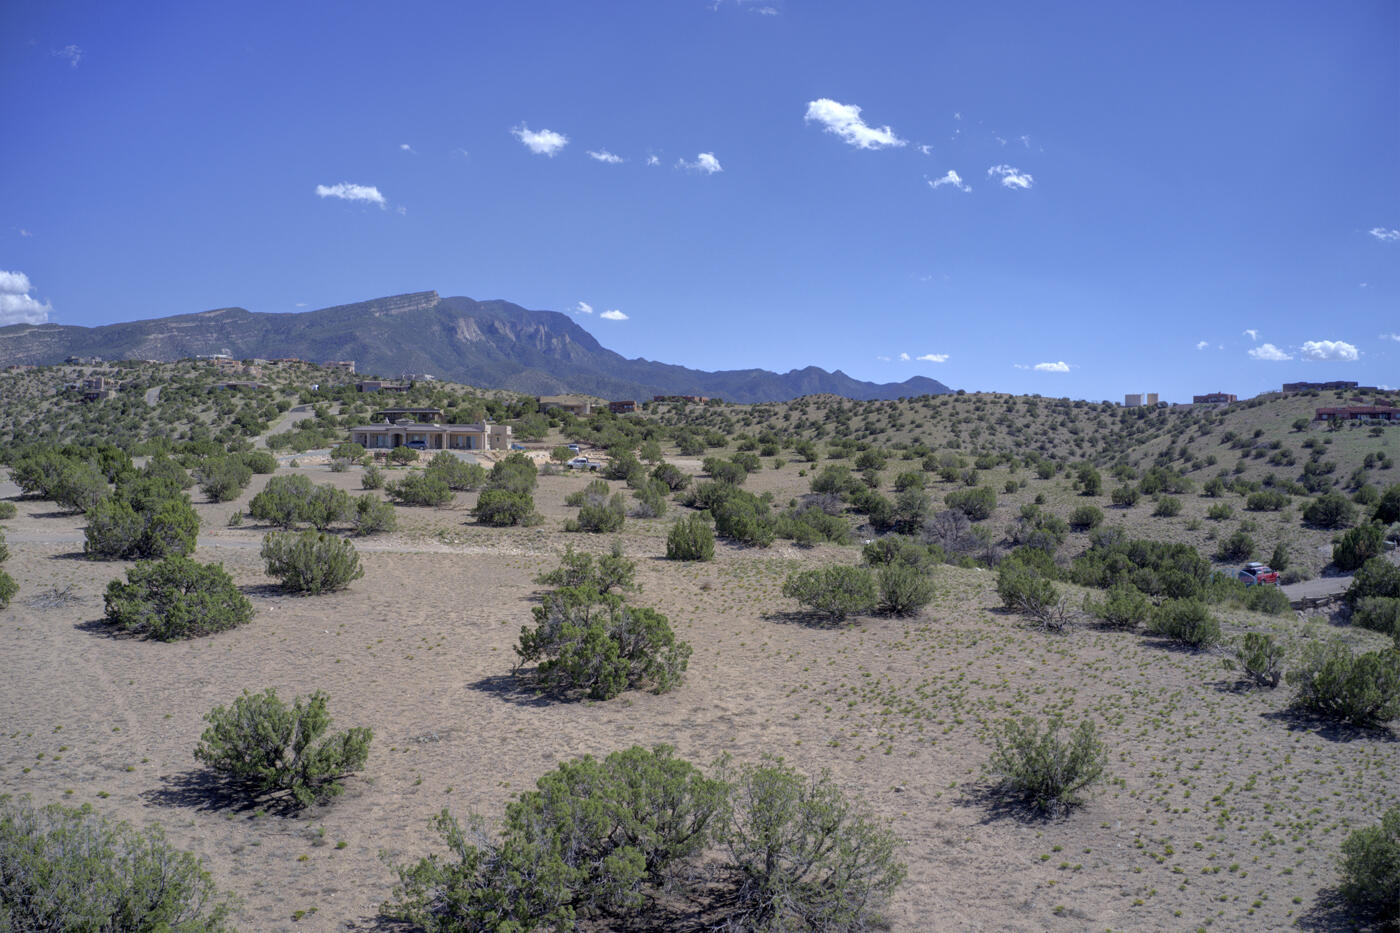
<point>1221,807</point>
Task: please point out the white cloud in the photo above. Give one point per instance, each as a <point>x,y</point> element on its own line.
<point>1251,333</point>
<point>934,357</point>
<point>952,178</point>
<point>613,315</point>
<point>24,233</point>
<point>1267,351</point>
<point>653,160</point>
<point>704,162</point>
<point>348,192</point>
<point>1060,367</point>
<point>603,155</point>
<point>926,149</point>
<point>301,304</point>
<point>17,306</point>
<point>1011,177</point>
<point>1019,366</point>
<point>1336,351</point>
<point>1201,345</point>
<point>405,147</point>
<point>70,53</point>
<point>904,357</point>
<point>583,307</point>
<point>545,142</point>
<point>1380,233</point>
<point>883,359</point>
<point>1395,337</point>
<point>844,120</point>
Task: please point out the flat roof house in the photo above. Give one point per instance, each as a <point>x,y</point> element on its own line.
<point>1358,413</point>
<point>1214,398</point>
<point>622,408</point>
<point>427,435</point>
<point>571,403</point>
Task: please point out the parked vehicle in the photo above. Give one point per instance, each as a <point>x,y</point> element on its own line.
<point>417,445</point>
<point>1257,574</point>
<point>517,446</point>
<point>583,463</point>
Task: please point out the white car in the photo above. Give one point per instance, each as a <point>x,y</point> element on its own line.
<point>583,463</point>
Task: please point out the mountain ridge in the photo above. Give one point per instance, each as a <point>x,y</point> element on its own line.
<point>491,343</point>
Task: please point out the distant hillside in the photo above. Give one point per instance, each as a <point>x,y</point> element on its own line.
<point>485,343</point>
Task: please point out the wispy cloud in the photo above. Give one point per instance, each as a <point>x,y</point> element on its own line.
<point>653,160</point>
<point>705,162</point>
<point>405,147</point>
<point>348,192</point>
<point>1010,176</point>
<point>17,306</point>
<point>844,120</point>
<point>1202,344</point>
<point>952,178</point>
<point>24,233</point>
<point>1334,351</point>
<point>69,53</point>
<point>904,357</point>
<point>933,358</point>
<point>1269,352</point>
<point>583,307</point>
<point>926,149</point>
<point>613,315</point>
<point>544,142</point>
<point>1381,233</point>
<point>1251,333</point>
<point>603,155</point>
<point>1060,367</point>
<point>1395,337</point>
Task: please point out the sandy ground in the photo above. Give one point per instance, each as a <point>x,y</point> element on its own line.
<point>1222,810</point>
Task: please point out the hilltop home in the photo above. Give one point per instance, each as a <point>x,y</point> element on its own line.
<point>1214,398</point>
<point>570,403</point>
<point>1358,413</point>
<point>379,385</point>
<point>623,407</point>
<point>429,435</point>
<point>1306,386</point>
<point>347,365</point>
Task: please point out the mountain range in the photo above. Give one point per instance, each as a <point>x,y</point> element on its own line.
<point>492,344</point>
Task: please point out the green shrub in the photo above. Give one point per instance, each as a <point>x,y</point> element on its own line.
<point>803,855</point>
<point>1330,510</point>
<point>1378,613</point>
<point>1363,690</point>
<point>671,475</point>
<point>1124,606</point>
<point>612,571</point>
<point>977,503</point>
<point>1259,658</point>
<point>1239,546</point>
<point>372,478</point>
<point>1377,577</point>
<point>1266,500</point>
<point>593,839</point>
<point>896,549</point>
<point>402,454</point>
<point>904,589</point>
<point>1371,870</point>
<point>1269,600</point>
<point>223,479</point>
<point>1085,517</point>
<point>1024,589</point>
<point>176,598</point>
<point>1388,508</point>
<point>162,467</point>
<point>651,499</point>
<point>4,548</point>
<point>262,746</point>
<point>136,523</point>
<point>70,870</point>
<point>7,510</point>
<point>517,473</point>
<point>420,489</point>
<point>325,506</point>
<point>743,517</point>
<point>458,474</point>
<point>834,592</point>
<point>311,562</point>
<point>592,643</point>
<point>371,515</point>
<point>1125,496</point>
<point>602,517</point>
<point>1357,546</point>
<point>281,501</point>
<point>691,538</point>
<point>348,450</point>
<point>77,486</point>
<point>259,461</point>
<point>8,589</point>
<point>1187,622</point>
<point>501,507</point>
<point>1219,512</point>
<point>1035,766</point>
<point>1167,507</point>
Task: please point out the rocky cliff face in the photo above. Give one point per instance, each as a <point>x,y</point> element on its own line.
<point>487,343</point>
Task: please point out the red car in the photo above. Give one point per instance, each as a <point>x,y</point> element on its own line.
<point>1257,574</point>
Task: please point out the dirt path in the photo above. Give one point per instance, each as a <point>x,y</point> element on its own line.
<point>153,396</point>
<point>291,417</point>
<point>1327,586</point>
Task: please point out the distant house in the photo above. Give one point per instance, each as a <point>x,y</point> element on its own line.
<point>571,403</point>
<point>417,377</point>
<point>347,365</point>
<point>379,385</point>
<point>430,436</point>
<point>625,407</point>
<point>423,415</point>
<point>1307,386</point>
<point>234,386</point>
<point>697,399</point>
<point>1214,398</point>
<point>96,388</point>
<point>1138,399</point>
<point>1359,413</point>
<point>83,360</point>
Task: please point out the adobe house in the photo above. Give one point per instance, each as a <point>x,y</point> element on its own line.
<point>431,435</point>
<point>577,405</point>
<point>1358,413</point>
<point>622,408</point>
<point>379,385</point>
<point>1214,398</point>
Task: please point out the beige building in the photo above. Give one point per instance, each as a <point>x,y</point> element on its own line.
<point>571,403</point>
<point>428,435</point>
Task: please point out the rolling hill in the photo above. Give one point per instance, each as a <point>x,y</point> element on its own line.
<point>487,343</point>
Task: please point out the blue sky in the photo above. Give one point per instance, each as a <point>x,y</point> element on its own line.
<point>1075,199</point>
